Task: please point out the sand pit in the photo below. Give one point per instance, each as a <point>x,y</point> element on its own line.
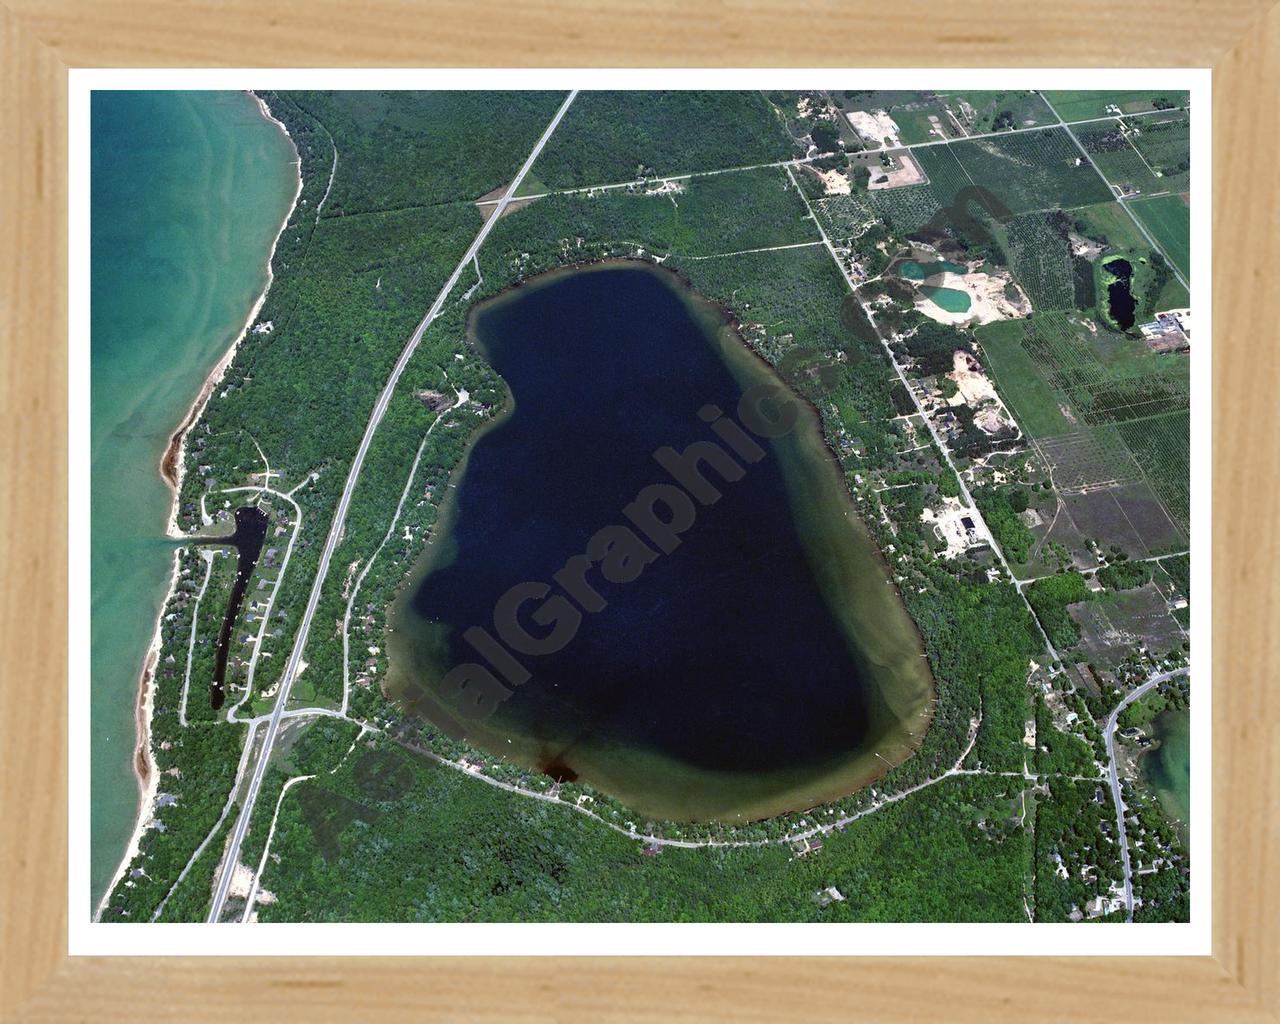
<point>876,127</point>
<point>905,171</point>
<point>989,298</point>
<point>974,389</point>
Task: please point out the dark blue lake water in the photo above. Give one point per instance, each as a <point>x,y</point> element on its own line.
<point>761,664</point>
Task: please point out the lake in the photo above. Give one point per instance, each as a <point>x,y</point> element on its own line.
<point>953,300</point>
<point>914,271</point>
<point>743,654</point>
<point>1168,767</point>
<point>1120,301</point>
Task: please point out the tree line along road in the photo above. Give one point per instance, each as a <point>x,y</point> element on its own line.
<point>232,855</point>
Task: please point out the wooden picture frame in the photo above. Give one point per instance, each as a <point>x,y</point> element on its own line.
<point>42,39</point>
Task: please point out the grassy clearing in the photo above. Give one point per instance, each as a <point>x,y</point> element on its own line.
<point>1110,224</point>
<point>1165,143</point>
<point>1081,104</point>
<point>1037,407</point>
<point>997,110</point>
<point>1168,218</point>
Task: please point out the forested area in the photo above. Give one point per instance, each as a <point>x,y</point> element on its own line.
<point>619,136</point>
<point>1050,597</point>
<point>1124,575</point>
<point>404,149</point>
<point>1062,753</point>
<point>1000,507</point>
<point>1075,833</point>
<point>953,853</point>
<point>196,763</point>
<point>350,285</point>
<point>932,346</point>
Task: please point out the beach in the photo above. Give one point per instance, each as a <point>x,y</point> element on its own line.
<point>191,192</point>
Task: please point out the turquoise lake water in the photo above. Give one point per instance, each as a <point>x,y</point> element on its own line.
<point>188,192</point>
<point>913,271</point>
<point>953,300</point>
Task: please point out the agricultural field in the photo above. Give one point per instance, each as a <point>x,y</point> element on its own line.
<point>1164,142</point>
<point>1127,516</point>
<point>1039,170</point>
<point>905,209</point>
<point>1088,459</point>
<point>946,174</point>
<point>1168,218</point>
<point>1083,104</point>
<point>1039,409</point>
<point>844,217</point>
<point>1098,406</point>
<point>1041,260</point>
<point>1123,166</point>
<point>928,116</point>
<point>1162,446</point>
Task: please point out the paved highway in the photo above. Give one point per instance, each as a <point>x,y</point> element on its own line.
<point>232,856</point>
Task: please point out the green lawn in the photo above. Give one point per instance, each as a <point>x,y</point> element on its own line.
<point>1020,382</point>
<point>1168,218</point>
<point>1109,221</point>
<point>1082,104</point>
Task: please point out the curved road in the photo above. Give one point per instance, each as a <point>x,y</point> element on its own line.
<point>1113,772</point>
<point>232,855</point>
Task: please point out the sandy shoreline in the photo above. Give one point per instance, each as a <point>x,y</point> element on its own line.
<point>173,462</point>
<point>145,769</point>
<point>172,468</point>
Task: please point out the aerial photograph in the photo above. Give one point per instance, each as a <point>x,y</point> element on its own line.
<point>640,506</point>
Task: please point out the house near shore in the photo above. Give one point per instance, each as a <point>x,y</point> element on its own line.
<point>805,847</point>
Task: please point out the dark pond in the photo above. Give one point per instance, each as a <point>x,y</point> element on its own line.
<point>251,530</point>
<point>763,663</point>
<point>1120,298</point>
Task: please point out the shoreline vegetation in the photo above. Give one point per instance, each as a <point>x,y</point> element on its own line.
<point>1012,744</point>
<point>810,458</point>
<point>172,469</point>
